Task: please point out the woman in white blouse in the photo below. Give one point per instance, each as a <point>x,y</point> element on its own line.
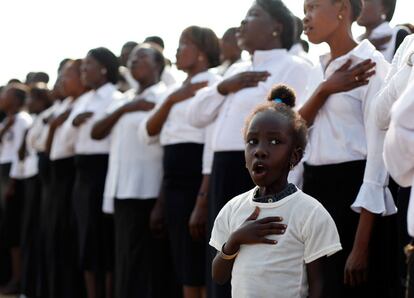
<point>267,32</point>
<point>61,270</point>
<point>133,182</point>
<point>376,16</point>
<point>183,149</point>
<point>343,164</point>
<point>99,72</point>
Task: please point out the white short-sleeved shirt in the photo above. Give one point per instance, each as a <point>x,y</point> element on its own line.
<point>345,130</point>
<point>135,167</point>
<point>230,111</point>
<point>13,138</point>
<point>97,102</point>
<point>263,270</point>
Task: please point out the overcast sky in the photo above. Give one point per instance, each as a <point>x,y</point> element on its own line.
<point>38,34</point>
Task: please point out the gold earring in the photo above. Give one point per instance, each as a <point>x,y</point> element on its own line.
<point>274,34</point>
<point>103,71</point>
<point>383,17</point>
<point>340,17</point>
<point>200,58</point>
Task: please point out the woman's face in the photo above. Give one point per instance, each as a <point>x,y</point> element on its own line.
<point>71,80</point>
<point>256,30</point>
<point>371,13</point>
<point>187,53</point>
<point>92,72</point>
<point>143,65</point>
<point>321,19</point>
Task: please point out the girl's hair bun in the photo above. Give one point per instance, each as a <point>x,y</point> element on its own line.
<point>282,94</point>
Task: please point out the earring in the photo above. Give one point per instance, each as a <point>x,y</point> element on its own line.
<point>274,34</point>
<point>383,17</point>
<point>103,71</point>
<point>200,58</point>
<point>291,166</point>
<point>340,17</point>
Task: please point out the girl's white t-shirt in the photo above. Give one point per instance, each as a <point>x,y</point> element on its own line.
<point>266,270</point>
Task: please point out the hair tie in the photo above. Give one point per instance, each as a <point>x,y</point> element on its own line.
<point>278,100</point>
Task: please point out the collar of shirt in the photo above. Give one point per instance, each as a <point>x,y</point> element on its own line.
<point>362,51</point>
<point>148,93</point>
<point>263,57</point>
<point>106,90</point>
<point>382,30</point>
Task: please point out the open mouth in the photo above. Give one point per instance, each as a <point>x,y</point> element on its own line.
<point>259,170</point>
<point>307,29</point>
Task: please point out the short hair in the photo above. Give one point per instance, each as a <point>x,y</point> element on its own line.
<point>11,81</point>
<point>158,56</point>
<point>231,31</point>
<point>287,95</point>
<point>19,91</point>
<point>279,11</point>
<point>298,28</point>
<point>62,63</point>
<point>155,39</point>
<point>206,41</point>
<point>40,91</point>
<point>108,60</point>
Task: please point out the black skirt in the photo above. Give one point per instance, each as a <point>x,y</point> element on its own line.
<point>336,187</point>
<point>229,178</point>
<point>95,230</point>
<point>31,236</point>
<point>4,247</point>
<point>182,180</point>
<point>143,267</point>
<point>64,278</point>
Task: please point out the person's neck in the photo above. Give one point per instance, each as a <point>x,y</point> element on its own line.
<point>273,189</point>
<point>196,70</point>
<point>370,28</point>
<point>144,84</point>
<point>341,44</point>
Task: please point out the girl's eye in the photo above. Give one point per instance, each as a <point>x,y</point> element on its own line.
<point>252,141</point>
<point>274,142</point>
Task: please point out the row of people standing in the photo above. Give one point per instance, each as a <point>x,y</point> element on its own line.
<point>158,150</point>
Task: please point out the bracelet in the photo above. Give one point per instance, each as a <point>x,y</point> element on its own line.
<point>227,257</point>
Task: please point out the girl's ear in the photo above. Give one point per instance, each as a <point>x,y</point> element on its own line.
<point>296,156</point>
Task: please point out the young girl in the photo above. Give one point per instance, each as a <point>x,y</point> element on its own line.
<point>343,164</point>
<point>272,239</point>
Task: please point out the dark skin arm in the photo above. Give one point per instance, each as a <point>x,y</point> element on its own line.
<point>103,127</point>
<point>198,219</point>
<point>81,118</point>
<point>315,277</point>
<point>253,231</point>
<point>7,126</point>
<point>157,120</point>
<point>22,150</point>
<point>247,79</point>
<point>356,267</point>
<point>157,217</point>
<point>342,80</point>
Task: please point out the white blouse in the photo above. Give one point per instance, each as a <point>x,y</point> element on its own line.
<point>63,145</point>
<point>345,130</point>
<point>135,168</point>
<point>97,102</point>
<point>230,111</point>
<point>399,146</point>
<point>28,167</point>
<point>13,138</point>
<point>396,81</point>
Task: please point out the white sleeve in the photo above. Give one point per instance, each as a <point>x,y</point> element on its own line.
<point>208,153</point>
<point>221,229</point>
<point>374,194</point>
<point>399,140</point>
<point>320,235</point>
<point>205,106</point>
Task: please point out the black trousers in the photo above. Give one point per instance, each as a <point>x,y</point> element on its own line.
<point>229,178</point>
<point>143,267</point>
<point>336,187</point>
